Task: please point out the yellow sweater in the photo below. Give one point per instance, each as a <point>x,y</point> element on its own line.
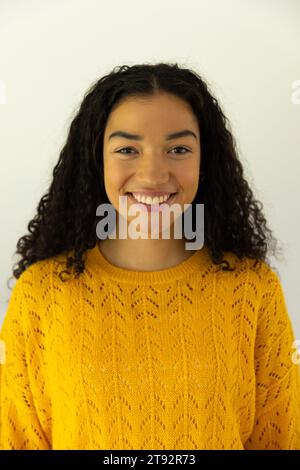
<point>189,357</point>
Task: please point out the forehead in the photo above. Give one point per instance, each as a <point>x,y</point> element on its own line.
<point>161,113</point>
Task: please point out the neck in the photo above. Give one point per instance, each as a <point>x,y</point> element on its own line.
<point>145,254</point>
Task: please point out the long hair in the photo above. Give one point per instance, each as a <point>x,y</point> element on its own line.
<point>66,214</point>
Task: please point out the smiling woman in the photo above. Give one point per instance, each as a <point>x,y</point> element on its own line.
<point>156,108</point>
<point>145,344</point>
<point>152,168</point>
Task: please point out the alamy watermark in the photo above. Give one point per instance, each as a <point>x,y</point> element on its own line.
<point>2,352</point>
<point>296,354</point>
<point>2,92</point>
<point>295,98</point>
<point>159,212</point>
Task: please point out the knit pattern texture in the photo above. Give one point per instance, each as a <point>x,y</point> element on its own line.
<point>188,357</point>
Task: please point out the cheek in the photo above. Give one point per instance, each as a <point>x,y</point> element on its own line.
<point>189,180</point>
<point>115,176</point>
<point>189,176</point>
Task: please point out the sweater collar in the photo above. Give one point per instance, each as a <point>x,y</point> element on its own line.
<point>197,261</point>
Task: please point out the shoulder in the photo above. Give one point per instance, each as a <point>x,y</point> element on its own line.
<point>32,295</point>
<point>258,275</point>
<point>256,284</point>
<point>256,267</point>
<point>34,287</point>
<point>37,274</point>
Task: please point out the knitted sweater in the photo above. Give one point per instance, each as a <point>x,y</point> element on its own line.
<point>188,357</point>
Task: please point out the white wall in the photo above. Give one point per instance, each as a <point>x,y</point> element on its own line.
<point>248,51</point>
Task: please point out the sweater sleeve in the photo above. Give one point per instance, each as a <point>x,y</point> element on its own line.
<point>21,412</point>
<point>277,415</point>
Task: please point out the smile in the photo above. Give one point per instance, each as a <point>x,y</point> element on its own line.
<point>148,203</point>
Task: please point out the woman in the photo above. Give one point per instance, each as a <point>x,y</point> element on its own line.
<point>146,344</point>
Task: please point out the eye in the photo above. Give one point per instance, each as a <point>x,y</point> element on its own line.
<point>131,148</point>
<point>125,148</point>
<point>186,150</point>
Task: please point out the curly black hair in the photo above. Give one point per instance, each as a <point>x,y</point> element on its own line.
<point>66,214</point>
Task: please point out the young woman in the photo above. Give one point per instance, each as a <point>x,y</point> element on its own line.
<point>141,343</point>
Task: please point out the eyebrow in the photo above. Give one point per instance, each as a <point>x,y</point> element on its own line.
<point>174,135</point>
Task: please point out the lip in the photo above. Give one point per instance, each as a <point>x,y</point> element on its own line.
<point>151,193</point>
<point>153,207</point>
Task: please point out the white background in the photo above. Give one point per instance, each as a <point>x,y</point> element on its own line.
<point>247,50</point>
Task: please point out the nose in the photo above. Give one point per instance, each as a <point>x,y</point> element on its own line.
<point>153,169</point>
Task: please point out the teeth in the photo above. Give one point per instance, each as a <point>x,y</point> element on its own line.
<point>149,200</point>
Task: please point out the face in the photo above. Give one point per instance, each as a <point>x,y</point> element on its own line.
<point>151,161</point>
